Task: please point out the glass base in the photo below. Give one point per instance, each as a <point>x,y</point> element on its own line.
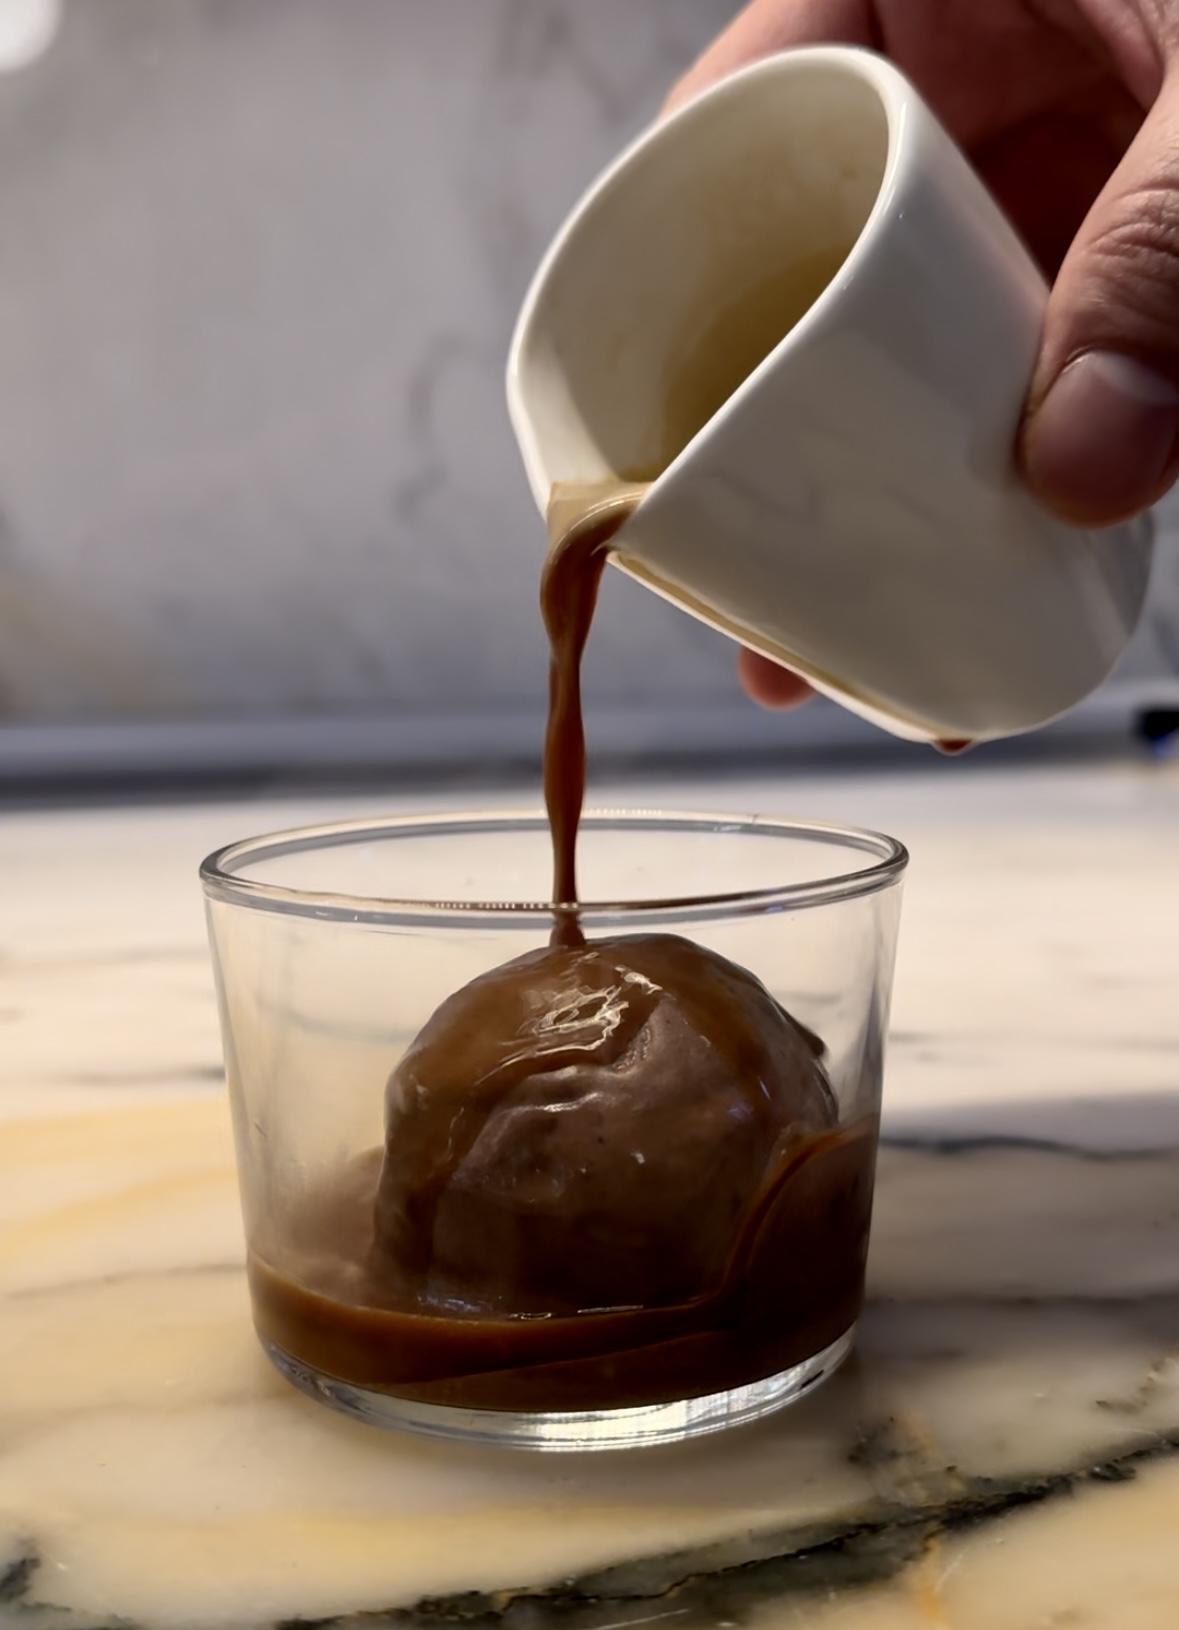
<point>570,1430</point>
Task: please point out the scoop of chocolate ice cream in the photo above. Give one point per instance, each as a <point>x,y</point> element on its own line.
<point>590,1127</point>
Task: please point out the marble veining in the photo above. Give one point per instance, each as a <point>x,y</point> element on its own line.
<point>1002,1451</point>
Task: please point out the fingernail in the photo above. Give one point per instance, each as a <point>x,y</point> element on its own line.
<point>1102,443</point>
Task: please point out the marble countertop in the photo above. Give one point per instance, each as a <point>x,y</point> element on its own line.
<point>1002,1453</point>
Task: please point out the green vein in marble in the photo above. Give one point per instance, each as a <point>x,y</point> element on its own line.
<point>980,1143</point>
<point>701,1598</point>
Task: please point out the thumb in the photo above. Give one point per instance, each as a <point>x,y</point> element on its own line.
<point>1101,433</point>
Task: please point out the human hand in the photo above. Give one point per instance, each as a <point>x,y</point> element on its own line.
<point>1069,111</point>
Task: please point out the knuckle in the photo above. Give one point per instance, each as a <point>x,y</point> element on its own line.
<point>1131,267</point>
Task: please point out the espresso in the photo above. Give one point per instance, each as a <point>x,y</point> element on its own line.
<point>797,1287</point>
<point>613,1171</point>
<point>582,523</point>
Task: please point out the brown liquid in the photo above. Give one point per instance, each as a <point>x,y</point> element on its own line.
<point>581,525</point>
<point>798,1288</point>
<point>613,1172</point>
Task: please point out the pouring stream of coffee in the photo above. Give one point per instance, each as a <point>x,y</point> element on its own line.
<point>582,523</point>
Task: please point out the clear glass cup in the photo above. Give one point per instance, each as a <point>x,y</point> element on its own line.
<point>333,945</point>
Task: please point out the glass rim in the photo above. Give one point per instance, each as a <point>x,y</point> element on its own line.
<point>222,882</point>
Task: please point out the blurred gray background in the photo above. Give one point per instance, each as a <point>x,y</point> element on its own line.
<point>258,494</point>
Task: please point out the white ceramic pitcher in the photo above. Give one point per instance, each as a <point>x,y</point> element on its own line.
<point>847,503</point>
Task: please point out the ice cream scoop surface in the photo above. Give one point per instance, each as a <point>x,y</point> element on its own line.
<point>589,1127</point>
